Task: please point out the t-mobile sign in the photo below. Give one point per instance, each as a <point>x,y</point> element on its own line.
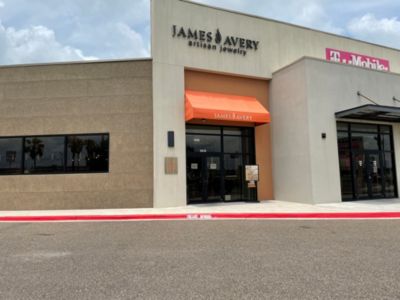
<point>359,60</point>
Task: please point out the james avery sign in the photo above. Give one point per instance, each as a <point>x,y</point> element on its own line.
<point>215,41</point>
<point>359,60</point>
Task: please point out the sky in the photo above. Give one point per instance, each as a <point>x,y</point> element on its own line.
<point>33,31</point>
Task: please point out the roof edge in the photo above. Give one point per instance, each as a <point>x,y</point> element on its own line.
<point>77,62</point>
<point>303,58</point>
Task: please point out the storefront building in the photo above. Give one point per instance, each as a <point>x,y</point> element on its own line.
<point>229,107</point>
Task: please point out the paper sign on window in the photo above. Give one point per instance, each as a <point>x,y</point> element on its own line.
<point>251,172</point>
<point>213,166</point>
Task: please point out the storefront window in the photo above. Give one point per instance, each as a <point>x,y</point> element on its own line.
<point>87,153</point>
<point>44,154</point>
<point>203,143</point>
<point>233,144</point>
<point>366,161</point>
<point>54,154</point>
<point>10,155</point>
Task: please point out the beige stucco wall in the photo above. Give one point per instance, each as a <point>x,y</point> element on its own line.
<point>290,135</point>
<point>310,107</point>
<point>99,97</point>
<point>280,45</point>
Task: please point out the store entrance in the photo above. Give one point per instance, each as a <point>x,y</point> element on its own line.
<point>204,178</point>
<point>215,163</point>
<point>368,174</point>
<point>367,164</point>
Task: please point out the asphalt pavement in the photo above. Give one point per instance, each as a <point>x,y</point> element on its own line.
<point>232,259</point>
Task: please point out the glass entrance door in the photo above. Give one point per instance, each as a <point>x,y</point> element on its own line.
<point>212,178</point>
<point>366,160</point>
<point>360,175</point>
<point>368,175</point>
<point>374,175</point>
<point>215,163</point>
<point>194,175</point>
<point>204,178</point>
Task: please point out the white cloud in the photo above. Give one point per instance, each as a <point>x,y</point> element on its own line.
<point>308,13</point>
<point>34,44</point>
<point>112,40</point>
<point>80,29</point>
<point>313,15</point>
<point>384,31</point>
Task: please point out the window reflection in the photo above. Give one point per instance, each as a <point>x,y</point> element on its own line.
<point>233,176</point>
<point>87,153</point>
<point>203,143</point>
<point>10,155</point>
<point>54,154</point>
<point>366,161</point>
<point>364,141</point>
<point>44,154</point>
<point>234,146</point>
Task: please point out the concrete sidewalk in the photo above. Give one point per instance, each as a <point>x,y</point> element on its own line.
<point>236,208</point>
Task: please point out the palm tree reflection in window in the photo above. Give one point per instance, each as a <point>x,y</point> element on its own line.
<point>34,148</point>
<point>94,149</point>
<point>97,153</point>
<point>76,145</point>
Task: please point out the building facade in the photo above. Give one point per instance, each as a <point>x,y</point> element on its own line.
<point>230,107</point>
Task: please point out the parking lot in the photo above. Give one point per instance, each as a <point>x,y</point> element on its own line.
<point>264,259</point>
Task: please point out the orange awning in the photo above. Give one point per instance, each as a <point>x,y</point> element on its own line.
<point>223,107</point>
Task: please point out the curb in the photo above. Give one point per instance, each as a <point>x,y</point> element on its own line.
<point>203,216</point>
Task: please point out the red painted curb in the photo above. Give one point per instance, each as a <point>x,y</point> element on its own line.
<point>205,216</point>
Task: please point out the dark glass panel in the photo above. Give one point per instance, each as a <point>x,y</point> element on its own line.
<point>87,153</point>
<point>213,178</point>
<point>375,175</point>
<point>342,126</point>
<point>385,129</point>
<point>345,174</point>
<point>194,169</point>
<point>364,141</point>
<point>386,142</point>
<point>364,127</point>
<point>249,131</point>
<point>233,177</point>
<point>361,175</point>
<point>10,155</point>
<point>343,141</point>
<point>249,159</point>
<point>232,131</point>
<point>248,194</point>
<point>233,144</point>
<point>199,129</point>
<point>203,143</point>
<point>389,177</point>
<point>248,145</point>
<point>44,154</point>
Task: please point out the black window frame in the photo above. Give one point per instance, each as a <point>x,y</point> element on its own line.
<point>65,170</point>
<point>246,155</point>
<point>381,150</point>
